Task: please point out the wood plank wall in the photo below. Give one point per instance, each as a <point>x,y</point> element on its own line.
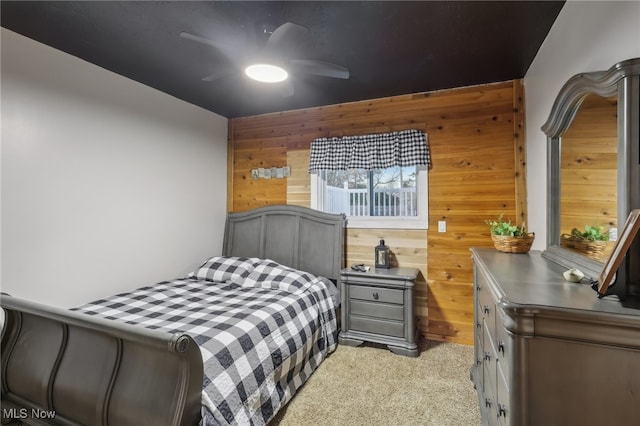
<point>476,137</point>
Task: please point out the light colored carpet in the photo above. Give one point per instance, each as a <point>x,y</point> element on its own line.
<point>370,385</point>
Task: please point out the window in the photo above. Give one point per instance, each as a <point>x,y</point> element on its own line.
<point>395,197</point>
<point>378,180</point>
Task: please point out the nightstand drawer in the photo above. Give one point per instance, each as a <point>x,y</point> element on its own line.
<point>371,325</point>
<point>377,294</point>
<point>377,310</point>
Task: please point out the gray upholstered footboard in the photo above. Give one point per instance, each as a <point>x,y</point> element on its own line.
<point>69,368</point>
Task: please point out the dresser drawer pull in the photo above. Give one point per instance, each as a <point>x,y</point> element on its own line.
<point>487,402</point>
<point>502,411</point>
<point>486,309</point>
<point>487,356</point>
<point>479,324</point>
<point>501,346</point>
<point>375,296</point>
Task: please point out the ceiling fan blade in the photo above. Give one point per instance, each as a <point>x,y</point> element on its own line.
<point>232,51</point>
<point>321,68</point>
<point>218,75</point>
<point>213,43</point>
<point>285,37</point>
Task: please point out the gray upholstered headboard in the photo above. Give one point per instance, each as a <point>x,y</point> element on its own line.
<point>295,236</point>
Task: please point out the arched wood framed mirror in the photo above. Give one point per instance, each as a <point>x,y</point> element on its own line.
<point>593,169</point>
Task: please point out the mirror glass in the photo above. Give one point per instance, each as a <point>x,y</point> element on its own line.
<point>593,171</point>
<point>588,179</point>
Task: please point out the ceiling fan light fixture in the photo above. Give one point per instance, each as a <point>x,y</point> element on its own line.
<point>266,73</point>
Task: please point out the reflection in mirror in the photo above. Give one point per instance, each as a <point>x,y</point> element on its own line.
<point>588,179</point>
<point>569,203</point>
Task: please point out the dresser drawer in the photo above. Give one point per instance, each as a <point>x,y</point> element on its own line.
<point>377,326</point>
<point>490,401</point>
<point>478,350</point>
<point>486,309</point>
<point>489,358</point>
<point>503,343</point>
<point>502,406</point>
<point>377,294</point>
<point>377,310</point>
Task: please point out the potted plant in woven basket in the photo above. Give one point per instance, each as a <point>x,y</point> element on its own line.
<point>592,241</point>
<point>508,237</point>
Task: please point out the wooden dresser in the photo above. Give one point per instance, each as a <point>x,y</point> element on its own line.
<point>549,352</point>
<point>377,306</point>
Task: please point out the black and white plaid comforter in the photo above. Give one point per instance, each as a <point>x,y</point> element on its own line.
<point>262,329</point>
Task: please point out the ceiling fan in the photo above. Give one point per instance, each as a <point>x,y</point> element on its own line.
<point>274,62</point>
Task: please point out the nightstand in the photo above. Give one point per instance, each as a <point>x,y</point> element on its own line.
<point>377,306</point>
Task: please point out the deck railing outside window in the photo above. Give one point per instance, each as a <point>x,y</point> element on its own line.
<point>386,201</point>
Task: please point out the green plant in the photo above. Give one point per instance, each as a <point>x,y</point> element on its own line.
<point>591,233</point>
<point>505,228</point>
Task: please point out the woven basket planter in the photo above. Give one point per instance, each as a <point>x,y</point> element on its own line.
<point>508,244</point>
<point>592,249</point>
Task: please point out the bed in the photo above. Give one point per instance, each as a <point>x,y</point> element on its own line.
<point>230,343</point>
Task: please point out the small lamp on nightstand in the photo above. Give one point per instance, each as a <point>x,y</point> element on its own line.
<point>382,256</point>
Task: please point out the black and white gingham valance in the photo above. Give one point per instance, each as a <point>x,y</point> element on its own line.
<point>370,152</point>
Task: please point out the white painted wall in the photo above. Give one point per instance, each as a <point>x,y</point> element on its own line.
<point>107,184</point>
<point>587,36</point>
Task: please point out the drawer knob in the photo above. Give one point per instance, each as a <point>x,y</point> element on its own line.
<point>502,411</point>
<point>486,309</point>
<point>487,402</point>
<point>501,346</point>
<point>375,296</point>
<point>487,356</point>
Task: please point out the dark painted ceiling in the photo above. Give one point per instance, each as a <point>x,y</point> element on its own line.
<point>389,47</point>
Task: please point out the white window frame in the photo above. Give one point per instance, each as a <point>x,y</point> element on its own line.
<point>421,221</point>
